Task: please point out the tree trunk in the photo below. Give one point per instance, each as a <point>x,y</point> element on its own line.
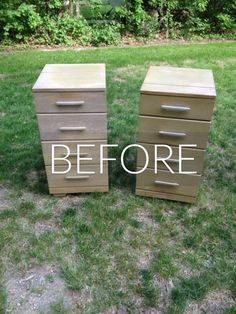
<point>77,8</point>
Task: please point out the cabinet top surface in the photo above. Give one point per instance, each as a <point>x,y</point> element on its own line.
<point>179,81</point>
<point>71,77</point>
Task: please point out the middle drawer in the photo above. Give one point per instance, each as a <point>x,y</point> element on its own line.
<point>72,126</point>
<point>173,131</point>
<point>173,161</point>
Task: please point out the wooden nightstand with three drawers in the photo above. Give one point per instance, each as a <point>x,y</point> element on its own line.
<point>176,108</point>
<point>70,102</point>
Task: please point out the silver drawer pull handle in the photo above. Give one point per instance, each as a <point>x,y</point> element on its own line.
<point>166,183</point>
<point>77,177</point>
<point>69,103</point>
<point>175,108</point>
<point>75,155</point>
<point>173,160</point>
<point>81,155</point>
<point>72,128</point>
<point>168,160</point>
<point>173,134</point>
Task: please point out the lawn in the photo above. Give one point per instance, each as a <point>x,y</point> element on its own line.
<point>116,252</point>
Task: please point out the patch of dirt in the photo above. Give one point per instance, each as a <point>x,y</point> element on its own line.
<point>26,85</point>
<point>67,202</point>
<point>165,286</point>
<point>44,226</point>
<point>116,310</point>
<point>157,63</point>
<point>145,218</point>
<point>185,271</point>
<point>127,71</point>
<point>57,204</point>
<point>40,201</point>
<point>226,62</point>
<point>117,79</point>
<point>32,177</point>
<point>214,303</point>
<point>189,62</point>
<point>139,310</point>
<point>5,201</point>
<point>82,298</point>
<point>35,291</point>
<point>144,259</point>
<point>119,102</point>
<point>2,76</point>
<point>221,63</point>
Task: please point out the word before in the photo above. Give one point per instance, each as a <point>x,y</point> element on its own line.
<point>102,159</point>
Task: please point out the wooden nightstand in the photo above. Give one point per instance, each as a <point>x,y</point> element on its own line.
<point>176,108</point>
<point>70,101</point>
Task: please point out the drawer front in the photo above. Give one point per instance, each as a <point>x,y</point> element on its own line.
<point>177,107</point>
<point>72,126</point>
<point>79,180</point>
<point>173,131</point>
<point>85,152</point>
<point>66,102</point>
<point>166,182</point>
<point>173,162</point>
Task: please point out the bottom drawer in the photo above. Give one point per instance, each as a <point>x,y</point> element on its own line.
<point>85,152</point>
<point>72,179</point>
<point>167,196</point>
<point>166,182</point>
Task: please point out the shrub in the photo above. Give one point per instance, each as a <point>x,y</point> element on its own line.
<point>134,18</point>
<point>50,33</point>
<point>76,29</point>
<point>106,34</point>
<point>226,23</point>
<point>22,23</point>
<point>46,22</point>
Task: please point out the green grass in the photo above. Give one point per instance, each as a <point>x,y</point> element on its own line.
<point>99,242</point>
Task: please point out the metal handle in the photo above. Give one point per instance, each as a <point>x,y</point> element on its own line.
<point>168,160</point>
<point>166,183</point>
<point>174,160</point>
<point>81,155</point>
<point>173,134</point>
<point>77,177</point>
<point>175,108</point>
<point>69,103</point>
<point>72,128</point>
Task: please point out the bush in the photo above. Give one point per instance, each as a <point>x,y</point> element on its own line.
<point>50,33</point>
<point>20,24</point>
<point>226,23</point>
<point>46,22</point>
<point>134,19</point>
<point>106,34</point>
<point>65,30</point>
<point>76,29</point>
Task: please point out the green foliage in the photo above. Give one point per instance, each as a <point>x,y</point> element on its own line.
<point>134,18</point>
<point>147,289</point>
<point>105,34</point>
<point>225,22</point>
<point>162,264</point>
<point>21,23</point>
<point>49,22</point>
<point>64,30</point>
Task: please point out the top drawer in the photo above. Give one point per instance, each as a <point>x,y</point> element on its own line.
<point>177,107</point>
<point>65,102</point>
